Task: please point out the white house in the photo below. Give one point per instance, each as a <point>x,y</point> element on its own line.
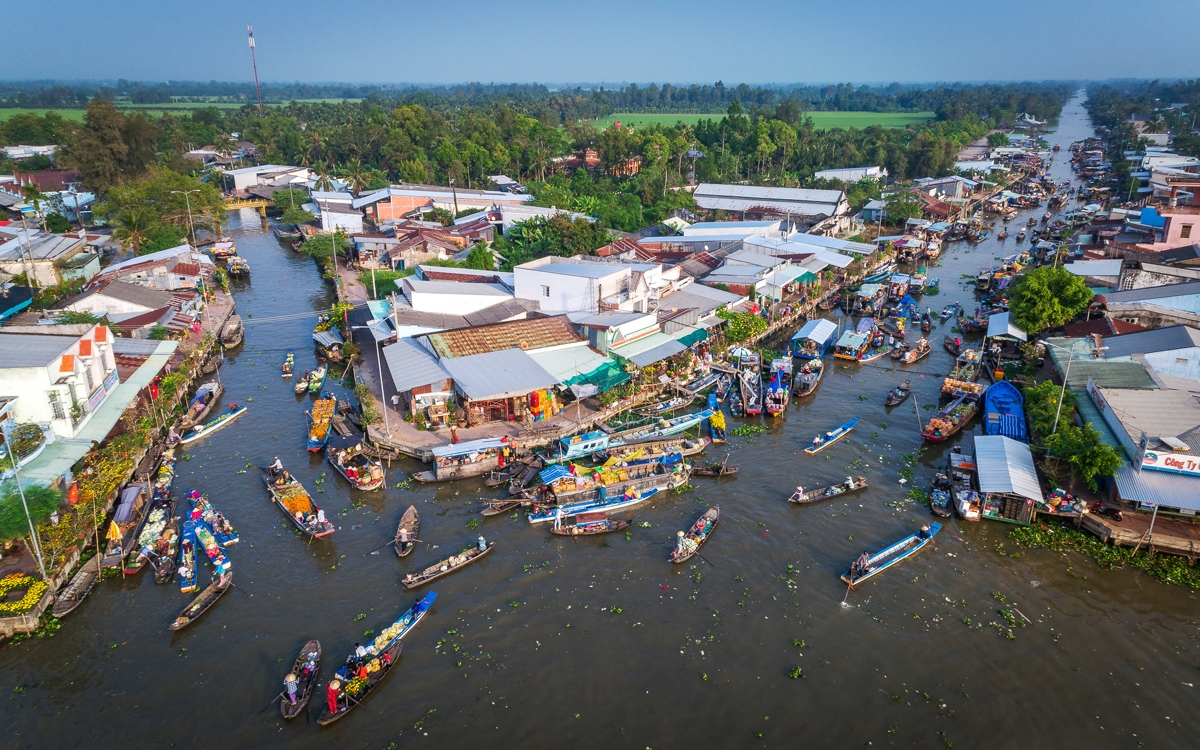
<point>853,174</point>
<point>59,375</point>
<point>178,267</point>
<point>336,211</point>
<point>242,180</point>
<point>562,285</point>
<point>451,297</point>
<point>52,258</point>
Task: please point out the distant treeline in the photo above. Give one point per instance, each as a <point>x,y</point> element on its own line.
<point>950,101</point>
<point>1163,107</point>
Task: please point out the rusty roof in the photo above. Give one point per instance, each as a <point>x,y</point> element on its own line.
<point>529,334</point>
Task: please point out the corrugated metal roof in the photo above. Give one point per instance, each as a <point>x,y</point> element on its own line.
<point>1158,488</point>
<point>1154,292</point>
<point>328,338</point>
<point>1158,413</point>
<point>411,365</point>
<point>498,374</point>
<point>32,350</point>
<point>471,446</point>
<point>1000,324</point>
<point>708,191</point>
<point>1006,466</point>
<point>650,349</point>
<point>1156,340</point>
<point>1095,267</point>
<point>833,243</point>
<point>570,362</point>
<point>817,330</point>
<point>530,334</point>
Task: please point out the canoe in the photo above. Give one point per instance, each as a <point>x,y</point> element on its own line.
<point>716,426</point>
<point>587,524</point>
<point>188,563</point>
<point>310,654</point>
<point>877,353</point>
<point>204,430</point>
<point>689,543</point>
<point>164,565</point>
<point>898,394</point>
<point>800,497</point>
<point>665,407</point>
<point>289,362</point>
<point>217,523</point>
<point>918,352</point>
<point>886,558</point>
<point>951,346</point>
<point>206,399</point>
<point>411,520</point>
<point>808,378</point>
<point>347,702</point>
<point>950,420</point>
<point>320,419</point>
<point>702,383</point>
<point>201,603</point>
<point>232,332</point>
<point>317,379</point>
<point>823,441</point>
<point>81,583</point>
<point>302,383</point>
<point>830,302</point>
<point>347,455</point>
<point>940,495</point>
<point>445,567</point>
<point>292,498</point>
<point>713,469</point>
<point>498,507</point>
<point>949,310</point>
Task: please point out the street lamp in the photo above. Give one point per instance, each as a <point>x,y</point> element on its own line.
<point>379,368</point>
<point>185,194</point>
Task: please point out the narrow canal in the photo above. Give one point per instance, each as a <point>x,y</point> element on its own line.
<point>604,643</point>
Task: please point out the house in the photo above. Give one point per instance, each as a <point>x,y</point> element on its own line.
<point>1180,228</point>
<point>507,216</point>
<point>242,181</point>
<point>1097,273</point>
<point>50,258</point>
<point>1157,306</point>
<point>451,297</point>
<point>135,309</point>
<point>335,211</point>
<point>873,211</point>
<point>59,375</point>
<point>708,236</point>
<point>404,200</point>
<point>408,248</point>
<point>172,269</point>
<point>773,202</point>
<point>853,174</point>
<point>16,153</point>
<point>950,187</point>
<point>561,285</point>
<point>506,184</point>
<point>13,298</point>
<point>417,376</point>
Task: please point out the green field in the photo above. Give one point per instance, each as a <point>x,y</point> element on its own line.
<point>76,115</point>
<point>822,120</point>
<point>68,114</point>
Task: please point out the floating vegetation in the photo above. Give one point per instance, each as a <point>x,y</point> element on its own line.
<point>749,430</point>
<point>1057,536</point>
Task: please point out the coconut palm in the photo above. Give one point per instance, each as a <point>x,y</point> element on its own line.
<point>355,174</point>
<point>131,226</point>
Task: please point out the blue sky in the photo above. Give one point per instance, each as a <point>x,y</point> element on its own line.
<point>753,41</point>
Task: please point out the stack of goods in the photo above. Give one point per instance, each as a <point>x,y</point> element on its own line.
<point>153,528</point>
<point>1060,501</point>
<point>944,426</point>
<point>717,420</point>
<point>950,386</point>
<point>322,414</point>
<point>293,497</point>
<point>541,405</point>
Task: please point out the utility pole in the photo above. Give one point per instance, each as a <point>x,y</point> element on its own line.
<point>254,62</point>
<point>188,200</point>
<point>455,192</point>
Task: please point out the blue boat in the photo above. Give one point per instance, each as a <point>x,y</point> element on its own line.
<point>813,340</point>
<point>204,511</point>
<point>824,440</point>
<point>884,559</point>
<point>1003,411</point>
<point>187,557</point>
<point>592,506</point>
<point>392,634</point>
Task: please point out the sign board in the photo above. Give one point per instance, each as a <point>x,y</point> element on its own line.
<point>1178,463</point>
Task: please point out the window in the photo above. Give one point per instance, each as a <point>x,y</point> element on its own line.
<point>1185,232</point>
<point>56,405</point>
<point>1181,360</point>
<point>546,290</point>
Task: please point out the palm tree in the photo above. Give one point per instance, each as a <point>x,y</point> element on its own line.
<point>132,225</point>
<point>323,181</point>
<point>355,174</point>
<point>35,197</point>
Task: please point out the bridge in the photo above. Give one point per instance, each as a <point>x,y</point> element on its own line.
<point>233,204</point>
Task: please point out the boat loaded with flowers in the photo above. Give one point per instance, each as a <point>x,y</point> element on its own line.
<point>320,420</point>
<point>297,504</point>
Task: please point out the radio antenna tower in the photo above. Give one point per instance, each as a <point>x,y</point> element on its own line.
<point>254,61</point>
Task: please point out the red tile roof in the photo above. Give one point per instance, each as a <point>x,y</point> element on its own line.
<point>532,333</point>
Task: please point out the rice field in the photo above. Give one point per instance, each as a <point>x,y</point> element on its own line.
<point>76,115</point>
<point>822,120</point>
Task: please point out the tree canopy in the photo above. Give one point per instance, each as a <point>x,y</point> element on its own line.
<point>1082,449</point>
<point>42,501</point>
<point>1046,298</point>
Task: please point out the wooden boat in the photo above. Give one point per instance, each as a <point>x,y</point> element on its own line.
<point>940,495</point>
<point>587,524</point>
<point>983,281</point>
<point>503,505</point>
<point>808,378</point>
<point>133,505</point>
<point>891,328</point>
<point>283,234</point>
<point>232,332</point>
<point>716,427</point>
<point>385,667</point>
<point>778,390</point>
<point>289,362</point>
<point>188,561</point>
<point>208,395</point>
<point>950,419</point>
<point>451,564</point>
<point>302,383</point>
<point>317,379</point>
<point>203,602</point>
<point>665,407</point>
<point>851,485</point>
<point>926,324</point>
<point>971,325</point>
<point>916,352</point>
<point>750,384</point>
<point>310,655</point>
<point>689,543</point>
<point>293,499</point>
<point>954,346</point>
<point>661,428</point>
<point>200,431</point>
<point>1003,412</point>
<point>163,562</point>
<point>823,441</point>
<point>319,422</point>
<point>950,310</point>
<point>654,450</point>
<point>899,350</point>
<point>696,386</point>
<point>713,469</point>
<point>351,461</point>
<point>830,302</point>
<point>878,352</point>
<point>81,583</point>
<point>813,339</point>
<point>966,502</point>
<point>898,394</point>
<point>411,521</point>
<point>217,523</point>
<point>238,267</point>
<point>223,249</point>
<point>886,558</point>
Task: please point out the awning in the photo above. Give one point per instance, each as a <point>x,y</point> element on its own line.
<point>553,473</point>
<point>569,363</point>
<point>692,337</point>
<point>1158,488</point>
<point>816,330</point>
<point>328,338</point>
<point>411,365</point>
<point>1006,466</point>
<point>1000,325</point>
<point>500,374</point>
<point>607,376</point>
<point>469,447</point>
<point>649,349</point>
<point>129,496</point>
<point>337,441</point>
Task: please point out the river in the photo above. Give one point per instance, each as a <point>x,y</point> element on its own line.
<point>604,643</point>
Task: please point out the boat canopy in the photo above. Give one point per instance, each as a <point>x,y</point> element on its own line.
<point>129,497</point>
<point>869,290</point>
<point>328,338</point>
<point>851,340</point>
<point>816,330</point>
<point>553,473</point>
<point>469,447</point>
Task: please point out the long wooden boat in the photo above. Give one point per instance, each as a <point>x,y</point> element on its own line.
<point>188,559</point>
<point>941,496</point>
<point>133,505</point>
<point>665,407</point>
<point>206,399</point>
<point>713,469</point>
<point>310,657</point>
<point>217,523</point>
<point>689,543</point>
<point>950,419</point>
<point>503,505</point>
<point>410,521</point>
<point>232,332</point>
<point>898,394</point>
<point>886,558</point>
<point>716,426</point>
<point>451,564</point>
<point>345,703</point>
<point>162,562</point>
<point>302,383</point>
<point>807,378</point>
<point>878,352</point>
<point>971,325</point>
<point>778,390</point>
<point>317,379</point>
<point>201,431</point>
<point>295,503</point>
<point>203,602</point>
<point>289,363</point>
<point>851,485</point>
<point>587,524</point>
<point>660,429</point>
<point>824,440</point>
<point>830,302</point>
<point>916,353</point>
<point>750,384</point>
<point>359,469</point>
<point>698,385</point>
<point>155,533</point>
<point>81,583</point>
<point>320,419</point>
<point>651,450</point>
<point>952,345</point>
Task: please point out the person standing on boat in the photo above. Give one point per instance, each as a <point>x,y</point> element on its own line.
<point>482,543</point>
<point>332,695</point>
<point>403,537</point>
<point>321,522</point>
<point>277,467</point>
<point>289,687</point>
<point>862,565</point>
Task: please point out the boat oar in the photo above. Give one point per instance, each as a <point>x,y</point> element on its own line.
<point>847,596</point>
<point>264,708</point>
<point>705,559</point>
<point>239,588</point>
